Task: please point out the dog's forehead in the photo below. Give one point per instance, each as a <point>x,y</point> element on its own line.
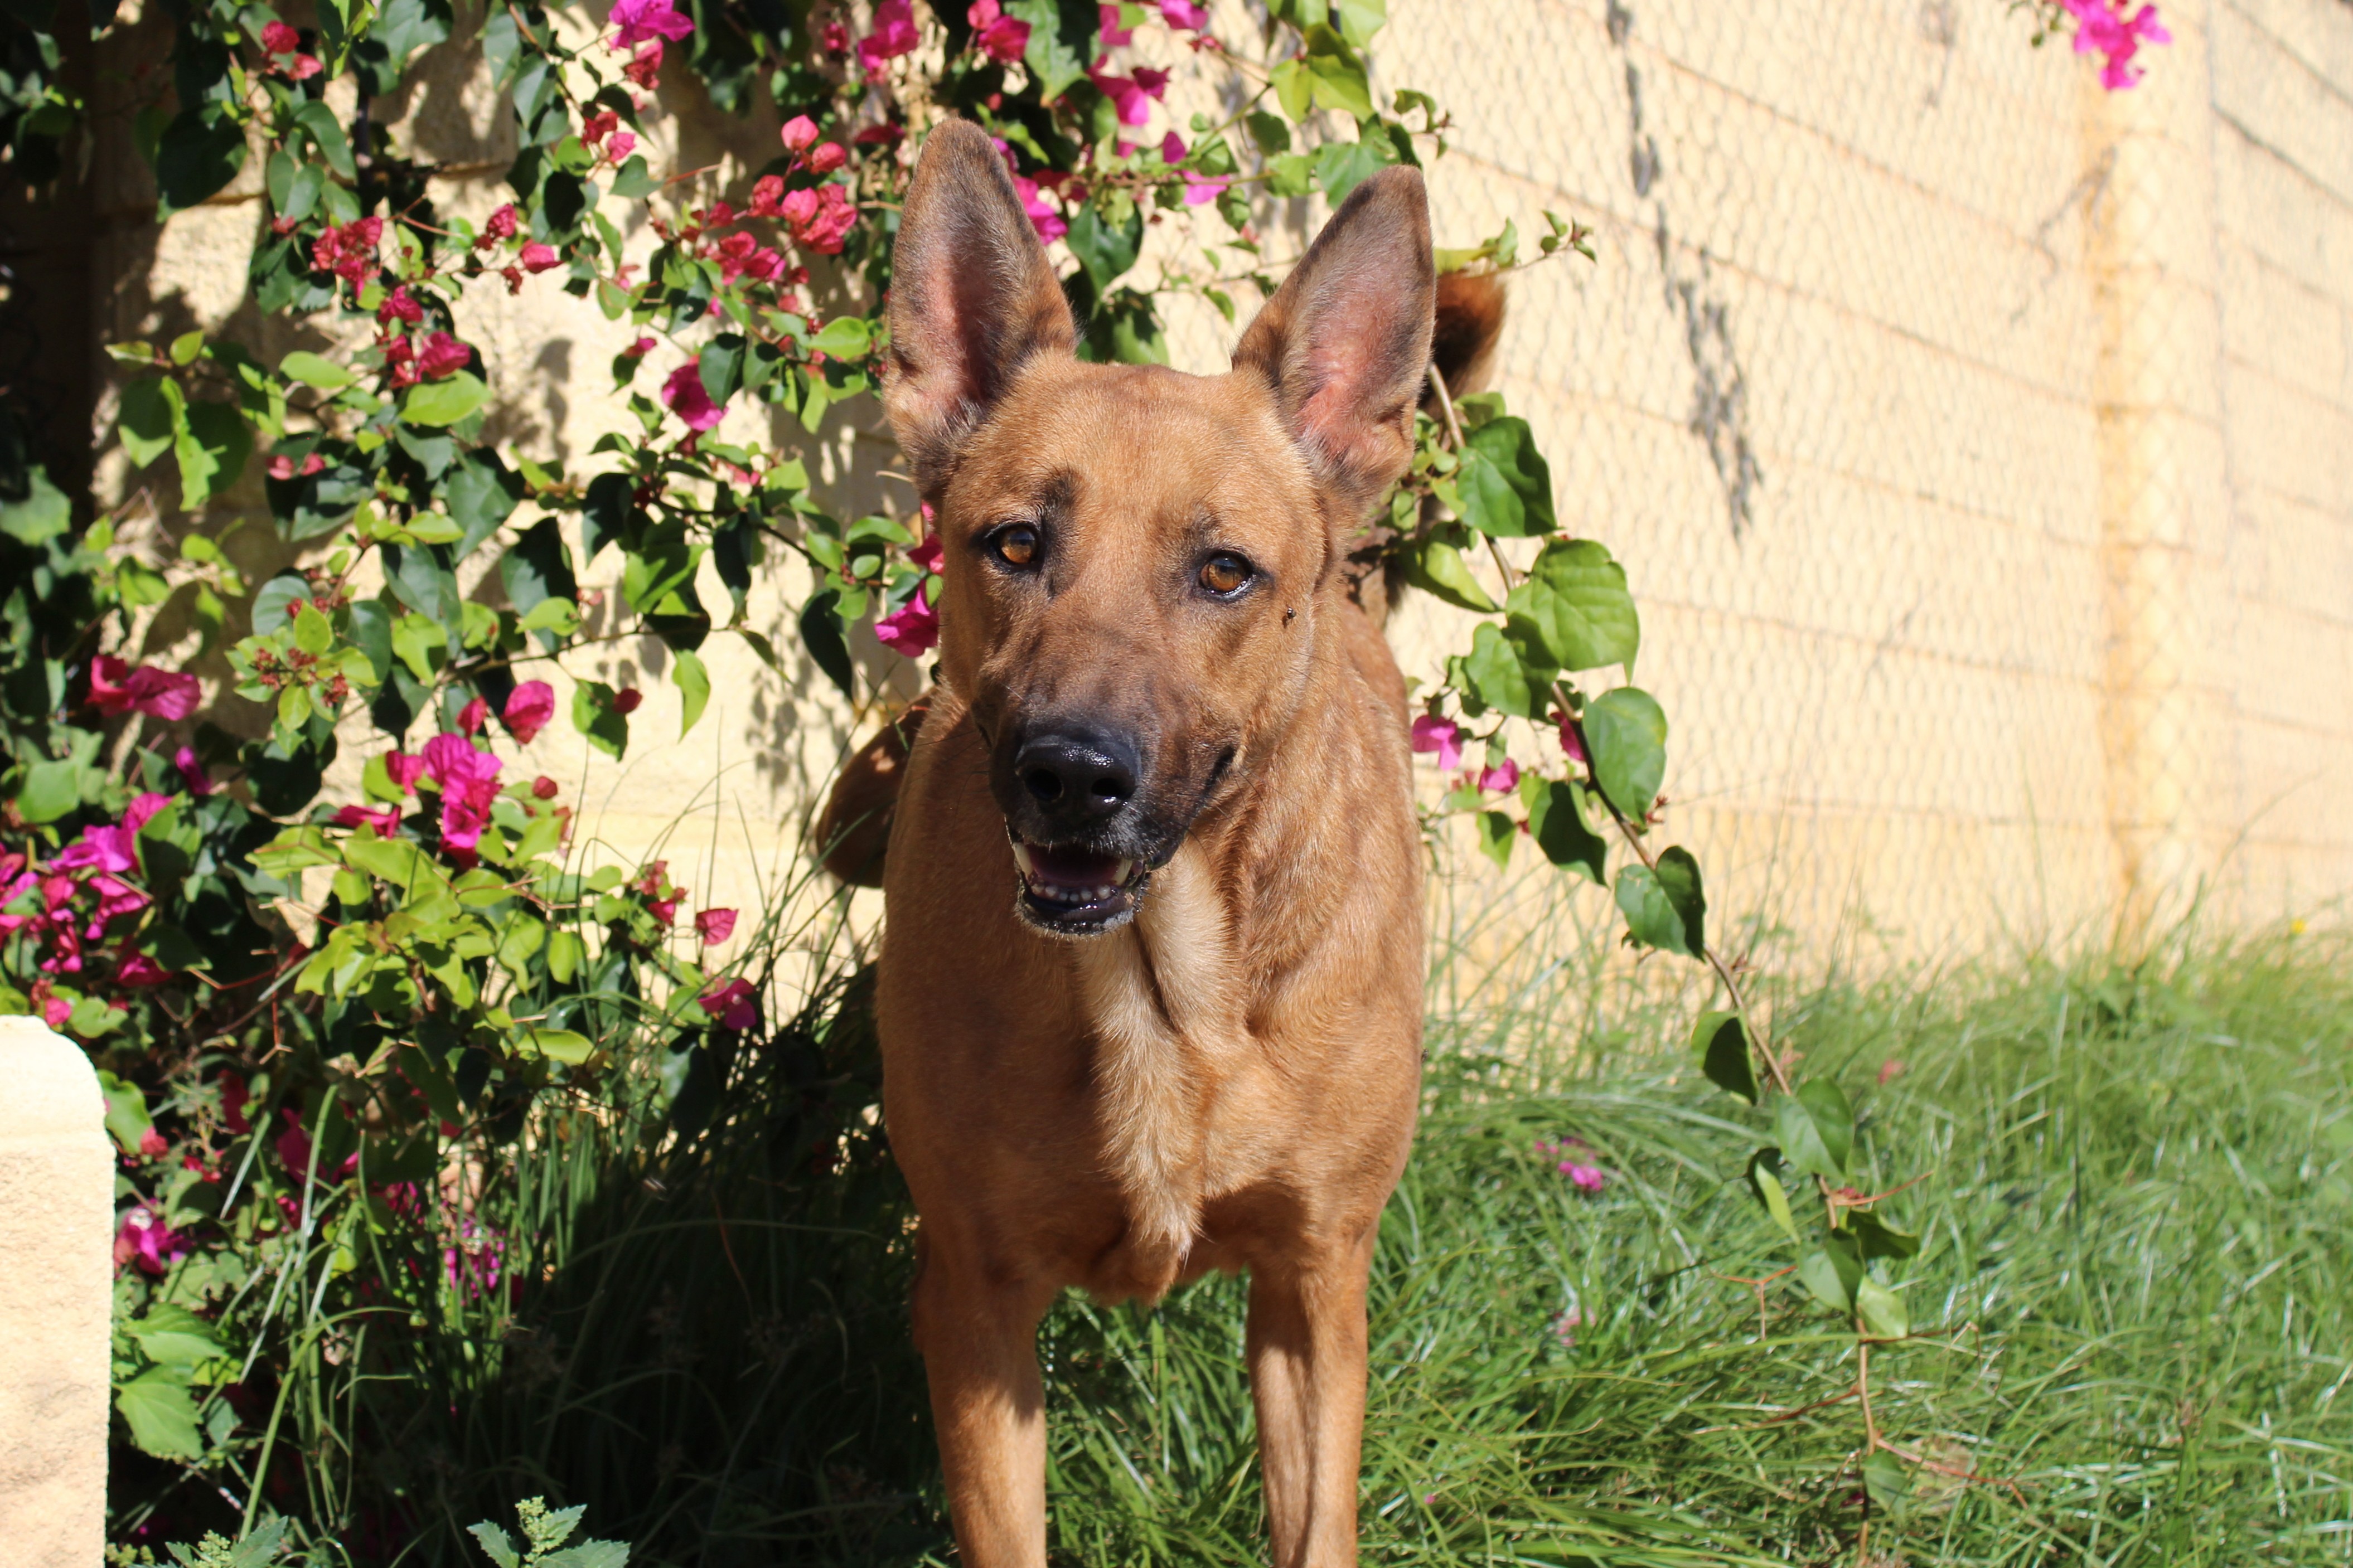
<point>1142,440</point>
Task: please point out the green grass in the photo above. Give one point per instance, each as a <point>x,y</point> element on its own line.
<point>2136,1207</point>
<point>2135,1200</point>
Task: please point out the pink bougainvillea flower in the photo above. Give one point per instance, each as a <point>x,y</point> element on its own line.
<point>1184,13</point>
<point>911,629</point>
<point>1200,190</point>
<point>500,225</point>
<point>385,821</point>
<point>144,809</point>
<point>1443,736</point>
<point>115,899</point>
<point>1128,95</point>
<point>233,1095</point>
<point>999,37</point>
<point>473,716</point>
<point>619,146</point>
<point>819,219</point>
<point>152,1143</point>
<point>539,258</point>
<point>1107,23</point>
<point>734,1004</point>
<point>349,251</point>
<point>690,399</point>
<point>636,21</point>
<point>714,926</point>
<point>403,769</point>
<point>2104,26</point>
<point>639,349</point>
<point>826,157</point>
<point>1172,148</point>
<point>192,771</point>
<point>1050,224</point>
<point>1501,779</point>
<point>529,707</point>
<point>442,355</point>
<point>799,133</point>
<point>626,701</point>
<point>115,687</point>
<point>280,39</point>
<point>398,307</point>
<point>894,35</point>
<point>1570,741</point>
<point>1586,1178</point>
<point>927,554</point>
<point>145,1239</point>
<point>293,1143</point>
<point>543,788</point>
<point>469,780</point>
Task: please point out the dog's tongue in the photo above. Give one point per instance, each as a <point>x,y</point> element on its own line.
<point>1074,871</point>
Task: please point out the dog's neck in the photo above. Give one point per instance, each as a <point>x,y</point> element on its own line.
<point>1170,998</point>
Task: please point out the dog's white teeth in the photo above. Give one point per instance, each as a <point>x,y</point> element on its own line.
<point>1021,858</point>
<point>1120,872</point>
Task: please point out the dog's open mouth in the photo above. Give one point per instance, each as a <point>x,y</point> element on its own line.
<point>1074,892</point>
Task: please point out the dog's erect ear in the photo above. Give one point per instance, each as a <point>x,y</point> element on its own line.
<point>1345,343</point>
<point>973,298</point>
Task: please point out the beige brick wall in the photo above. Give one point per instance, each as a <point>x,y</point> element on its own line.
<point>1977,441</point>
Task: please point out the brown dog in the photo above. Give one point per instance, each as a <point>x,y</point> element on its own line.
<point>1151,986</point>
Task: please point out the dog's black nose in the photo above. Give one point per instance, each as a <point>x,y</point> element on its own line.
<point>1077,780</point>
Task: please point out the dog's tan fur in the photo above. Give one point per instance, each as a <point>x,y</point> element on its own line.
<point>1227,1080</point>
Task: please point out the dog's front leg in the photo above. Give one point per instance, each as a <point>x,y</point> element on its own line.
<point>978,1337</point>
<point>1307,1352</point>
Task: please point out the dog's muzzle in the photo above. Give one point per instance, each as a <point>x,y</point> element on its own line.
<point>1067,891</point>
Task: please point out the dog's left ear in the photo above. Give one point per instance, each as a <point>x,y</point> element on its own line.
<point>1345,343</point>
<point>973,300</point>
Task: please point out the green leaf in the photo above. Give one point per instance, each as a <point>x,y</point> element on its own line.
<point>1294,89</point>
<point>844,337</point>
<point>593,715</point>
<point>1651,918</point>
<point>1575,602</point>
<point>435,403</point>
<point>588,1555</point>
<point>416,641</point>
<point>1359,20</point>
<point>161,1417</point>
<point>312,370</point>
<point>1765,1170</point>
<point>174,1336</point>
<point>326,133</point>
<point>50,790</point>
<point>41,516</point>
<point>1336,74</point>
<point>1496,832</point>
<point>1831,1274</point>
<point>1878,1239</point>
<point>1626,731</point>
<point>1062,42</point>
<point>1556,821</point>
<point>198,154</point>
<point>1816,1129</point>
<point>1722,1043</point>
<point>126,1111</point>
<point>1437,567</point>
<point>153,414</point>
<point>1880,1310</point>
<point>1291,174</point>
<point>495,1544</point>
<point>1269,132</point>
<point>1342,166</point>
<point>394,861</point>
<point>313,633</point>
<point>693,686</point>
<point>1500,678</point>
<point>270,603</point>
<point>562,1044</point>
<point>211,448</point>
<point>481,492</point>
<point>1105,251</point>
<point>821,626</point>
<point>1504,483</point>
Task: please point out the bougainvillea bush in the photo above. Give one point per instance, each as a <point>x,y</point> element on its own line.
<point>445,1143</point>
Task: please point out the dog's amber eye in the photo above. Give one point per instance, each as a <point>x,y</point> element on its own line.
<point>1225,575</point>
<point>1016,545</point>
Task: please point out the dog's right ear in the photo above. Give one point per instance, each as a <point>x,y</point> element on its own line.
<point>973,300</point>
